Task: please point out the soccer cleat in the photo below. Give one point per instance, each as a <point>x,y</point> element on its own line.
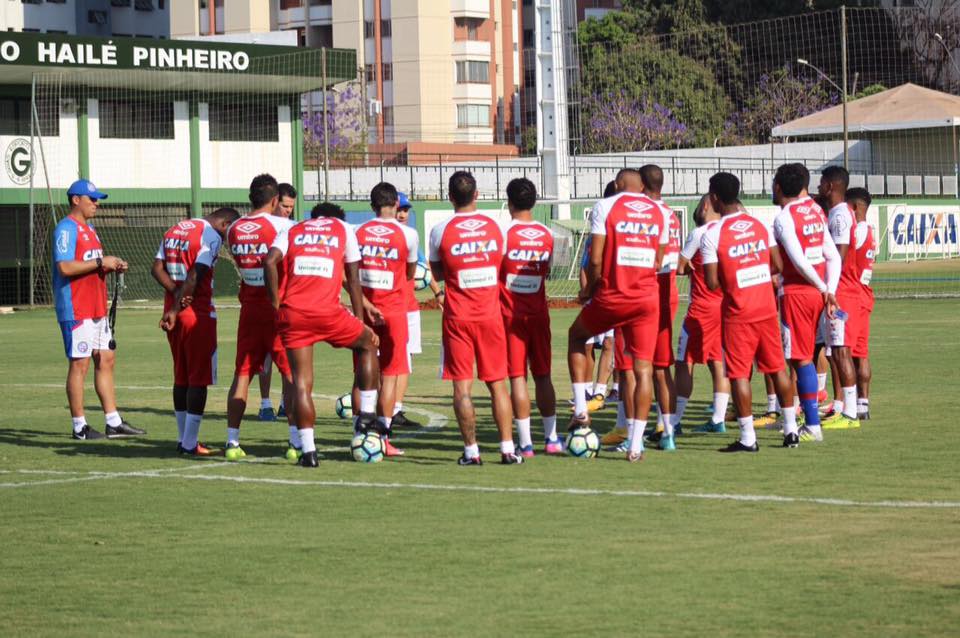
<point>400,420</point>
<point>596,402</point>
<point>864,416</point>
<point>808,435</point>
<point>463,460</point>
<point>677,430</point>
<point>654,437</point>
<point>765,420</point>
<point>293,453</point>
<point>711,428</point>
<point>737,446</point>
<point>87,433</point>
<point>553,448</point>
<point>613,396</point>
<point>527,452</point>
<point>615,436</point>
<point>623,448</point>
<point>791,440</point>
<point>368,422</point>
<point>578,421</point>
<point>390,450</point>
<point>839,422</point>
<point>309,459</point>
<point>266,414</point>
<point>510,459</point>
<point>829,412</point>
<point>635,457</point>
<point>281,411</point>
<point>123,430</point>
<point>234,452</point>
<point>667,444</point>
<point>200,450</point>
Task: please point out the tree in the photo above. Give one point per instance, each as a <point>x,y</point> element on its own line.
<point>621,123</point>
<point>345,125</point>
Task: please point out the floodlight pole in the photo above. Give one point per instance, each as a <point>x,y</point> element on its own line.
<point>326,136</point>
<point>843,64</point>
<point>843,95</point>
<point>33,159</point>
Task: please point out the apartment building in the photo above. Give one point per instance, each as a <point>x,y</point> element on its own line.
<point>107,18</point>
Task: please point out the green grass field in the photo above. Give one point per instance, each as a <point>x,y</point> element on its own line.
<point>859,535</point>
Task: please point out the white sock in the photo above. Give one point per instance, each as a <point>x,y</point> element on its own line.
<point>385,420</point>
<point>600,388</point>
<point>850,401</point>
<point>796,401</point>
<point>621,416</point>
<point>191,431</point>
<point>181,423</point>
<point>233,436</point>
<point>682,407</point>
<point>720,402</point>
<point>507,447</point>
<point>789,421</point>
<point>580,399</point>
<point>863,405</point>
<point>397,407</point>
<point>821,382</point>
<point>550,428</point>
<point>471,451</point>
<point>668,423</point>
<point>294,438</point>
<point>838,405</point>
<point>79,422</point>
<point>113,419</point>
<point>523,432</point>
<point>307,443</point>
<point>747,435</point>
<point>616,387</point>
<point>266,403</point>
<point>368,400</point>
<point>771,402</point>
<point>636,435</point>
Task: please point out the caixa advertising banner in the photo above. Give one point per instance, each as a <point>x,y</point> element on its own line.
<point>923,230</point>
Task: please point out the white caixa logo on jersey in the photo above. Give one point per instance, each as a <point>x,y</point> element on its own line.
<point>471,225</point>
<point>531,233</point>
<point>248,227</point>
<point>379,231</point>
<point>741,226</point>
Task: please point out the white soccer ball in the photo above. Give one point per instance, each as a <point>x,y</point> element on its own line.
<point>344,406</point>
<point>367,447</point>
<point>422,276</point>
<point>583,443</point>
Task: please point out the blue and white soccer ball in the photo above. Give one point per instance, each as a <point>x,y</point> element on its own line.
<point>583,443</point>
<point>422,276</point>
<point>344,405</point>
<point>367,447</point>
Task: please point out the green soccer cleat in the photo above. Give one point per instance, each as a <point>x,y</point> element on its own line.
<point>293,454</point>
<point>234,453</point>
<point>711,428</point>
<point>840,422</point>
<point>667,444</point>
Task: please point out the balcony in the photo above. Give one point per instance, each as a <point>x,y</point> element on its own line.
<point>470,8</point>
<point>471,48</point>
<point>472,92</point>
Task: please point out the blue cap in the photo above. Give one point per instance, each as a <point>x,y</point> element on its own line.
<point>85,187</point>
<point>402,201</point>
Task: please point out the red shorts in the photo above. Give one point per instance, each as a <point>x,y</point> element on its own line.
<point>622,360</point>
<point>393,345</point>
<point>299,329</point>
<point>800,315</point>
<point>193,344</point>
<point>528,339</point>
<point>669,300</point>
<point>637,320</point>
<point>700,340</point>
<point>464,342</point>
<point>861,348</point>
<point>257,337</point>
<point>745,342</point>
<point>844,332</point>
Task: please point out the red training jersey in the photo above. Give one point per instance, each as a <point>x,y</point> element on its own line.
<point>185,245</point>
<point>703,301</point>
<point>843,226</point>
<point>249,239</point>
<point>866,254</point>
<point>740,246</point>
<point>83,296</point>
<point>386,247</point>
<point>667,276</point>
<point>470,247</point>
<point>525,268</point>
<point>806,220</point>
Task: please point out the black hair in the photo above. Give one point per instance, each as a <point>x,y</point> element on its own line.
<point>230,214</point>
<point>327,209</point>
<point>263,188</point>
<point>382,195</point>
<point>859,195</point>
<point>286,190</point>
<point>610,189</point>
<point>652,176</point>
<point>836,175</point>
<point>462,187</point>
<point>521,193</point>
<point>726,187</point>
<point>792,179</point>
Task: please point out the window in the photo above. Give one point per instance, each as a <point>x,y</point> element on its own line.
<point>97,17</point>
<point>385,29</point>
<point>290,4</point>
<point>239,122</point>
<point>528,35</point>
<point>143,5</point>
<point>136,119</point>
<point>472,25</point>
<point>15,117</point>
<point>473,115</point>
<point>387,71</point>
<point>388,116</point>
<point>473,72</point>
<point>368,28</point>
<point>120,3</point>
<point>321,3</point>
<point>368,73</point>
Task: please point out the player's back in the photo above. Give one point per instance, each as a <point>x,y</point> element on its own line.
<point>250,238</point>
<point>671,254</point>
<point>386,247</point>
<point>183,245</point>
<point>866,255</point>
<point>525,269</point>
<point>842,220</point>
<point>808,222</point>
<point>315,251</point>
<point>470,247</point>
<point>742,250</point>
<point>83,297</point>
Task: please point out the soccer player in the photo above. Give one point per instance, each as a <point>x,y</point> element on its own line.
<point>285,208</point>
<point>739,253</point>
<point>388,251</point>
<point>700,334</point>
<point>184,268</point>
<point>526,318</point>
<point>258,343</point>
<point>466,251</point>
<point>865,245</point>
<point>80,298</point>
<point>811,271</point>
<point>629,234</point>
<point>314,255</point>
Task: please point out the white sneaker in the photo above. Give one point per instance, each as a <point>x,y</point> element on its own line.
<point>808,435</point>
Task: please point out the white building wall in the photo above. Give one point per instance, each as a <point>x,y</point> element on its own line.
<point>59,153</point>
<point>234,164</point>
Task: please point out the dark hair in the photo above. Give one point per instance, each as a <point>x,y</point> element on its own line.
<point>230,214</point>
<point>652,176</point>
<point>610,189</point>
<point>726,187</point>
<point>792,179</point>
<point>327,209</point>
<point>521,193</point>
<point>859,195</point>
<point>286,190</point>
<point>461,187</point>
<point>263,188</point>
<point>836,175</point>
<point>382,195</point>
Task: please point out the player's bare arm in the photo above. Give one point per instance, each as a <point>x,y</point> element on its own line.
<point>595,267</point>
<point>162,277</point>
<point>437,268</point>
<point>776,261</point>
<point>270,276</point>
<point>712,276</point>
<point>372,312</point>
<point>77,267</point>
<point>352,285</point>
<point>183,296</point>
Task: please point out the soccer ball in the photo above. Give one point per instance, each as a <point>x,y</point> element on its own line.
<point>367,447</point>
<point>344,406</point>
<point>422,276</point>
<point>583,443</point>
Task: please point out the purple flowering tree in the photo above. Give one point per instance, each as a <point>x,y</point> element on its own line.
<point>344,126</point>
<point>620,123</point>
